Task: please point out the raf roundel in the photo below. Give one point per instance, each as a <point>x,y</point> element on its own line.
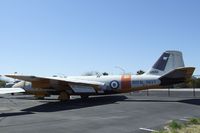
<point>114,84</point>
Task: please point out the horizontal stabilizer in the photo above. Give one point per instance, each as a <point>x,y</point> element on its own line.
<point>11,90</point>
<point>176,76</point>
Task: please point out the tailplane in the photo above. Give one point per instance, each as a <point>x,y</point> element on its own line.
<point>176,76</point>
<point>169,60</point>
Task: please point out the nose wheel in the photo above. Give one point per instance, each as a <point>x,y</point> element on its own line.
<point>64,96</point>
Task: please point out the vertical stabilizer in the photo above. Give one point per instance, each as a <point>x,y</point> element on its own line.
<point>168,61</point>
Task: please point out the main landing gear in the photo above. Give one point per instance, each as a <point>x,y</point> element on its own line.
<point>39,96</point>
<point>64,96</point>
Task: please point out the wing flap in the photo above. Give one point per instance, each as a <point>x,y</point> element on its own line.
<point>82,89</point>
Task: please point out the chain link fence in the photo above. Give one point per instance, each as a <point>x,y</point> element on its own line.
<point>192,86</point>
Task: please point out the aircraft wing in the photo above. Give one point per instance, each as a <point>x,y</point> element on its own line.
<point>55,82</point>
<point>11,90</point>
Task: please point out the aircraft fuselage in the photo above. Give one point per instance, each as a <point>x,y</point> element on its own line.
<point>112,84</point>
<point>123,83</point>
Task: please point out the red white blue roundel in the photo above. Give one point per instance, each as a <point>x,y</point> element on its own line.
<point>114,84</point>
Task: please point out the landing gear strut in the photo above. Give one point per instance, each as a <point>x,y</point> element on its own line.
<point>64,96</point>
<point>39,96</point>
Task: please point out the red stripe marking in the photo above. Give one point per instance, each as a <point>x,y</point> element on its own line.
<point>126,82</point>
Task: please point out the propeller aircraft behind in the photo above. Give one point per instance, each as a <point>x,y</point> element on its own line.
<point>168,70</point>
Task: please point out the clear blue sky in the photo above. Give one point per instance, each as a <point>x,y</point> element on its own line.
<point>71,37</point>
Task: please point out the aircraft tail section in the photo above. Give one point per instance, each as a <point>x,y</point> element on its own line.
<point>168,61</point>
<point>176,76</point>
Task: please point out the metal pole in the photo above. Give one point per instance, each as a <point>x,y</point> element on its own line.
<point>120,68</point>
<point>168,92</point>
<point>194,90</point>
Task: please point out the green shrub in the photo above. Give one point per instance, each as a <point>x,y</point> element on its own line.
<point>194,121</point>
<point>174,125</point>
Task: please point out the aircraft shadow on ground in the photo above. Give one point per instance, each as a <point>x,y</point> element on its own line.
<point>15,114</point>
<point>75,104</point>
<point>191,101</point>
<point>55,106</point>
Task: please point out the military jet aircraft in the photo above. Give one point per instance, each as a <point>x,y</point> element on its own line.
<point>168,70</point>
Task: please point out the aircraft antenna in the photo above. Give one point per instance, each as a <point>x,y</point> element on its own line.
<point>120,68</point>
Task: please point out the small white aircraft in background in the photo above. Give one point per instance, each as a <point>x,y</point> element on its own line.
<point>168,70</point>
<point>9,81</point>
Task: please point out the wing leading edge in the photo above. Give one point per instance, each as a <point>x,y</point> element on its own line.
<point>47,82</point>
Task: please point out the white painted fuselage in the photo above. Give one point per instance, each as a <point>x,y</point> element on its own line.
<point>121,83</point>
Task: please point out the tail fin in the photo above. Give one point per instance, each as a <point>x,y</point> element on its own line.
<point>168,61</point>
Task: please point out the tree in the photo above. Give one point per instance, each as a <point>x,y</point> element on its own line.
<point>95,73</point>
<point>140,72</point>
<point>105,74</point>
<point>91,73</point>
<point>2,84</point>
<point>197,83</point>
